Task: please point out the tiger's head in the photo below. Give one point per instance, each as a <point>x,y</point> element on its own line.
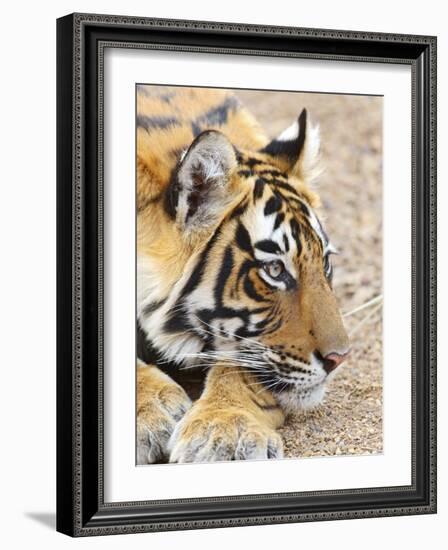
<point>239,270</point>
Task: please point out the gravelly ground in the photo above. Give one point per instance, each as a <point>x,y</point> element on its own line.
<point>350,419</point>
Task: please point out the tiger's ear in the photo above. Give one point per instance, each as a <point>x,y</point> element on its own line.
<point>297,148</point>
<point>199,191</point>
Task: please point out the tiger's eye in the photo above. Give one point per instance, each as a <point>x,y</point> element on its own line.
<point>274,269</point>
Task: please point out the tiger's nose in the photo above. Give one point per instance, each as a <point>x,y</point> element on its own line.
<point>333,360</point>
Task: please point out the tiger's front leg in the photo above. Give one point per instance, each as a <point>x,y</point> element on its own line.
<point>161,403</point>
<point>234,419</point>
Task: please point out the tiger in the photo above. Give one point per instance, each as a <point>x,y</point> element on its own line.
<point>234,277</point>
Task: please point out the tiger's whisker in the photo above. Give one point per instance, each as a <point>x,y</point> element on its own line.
<point>252,342</point>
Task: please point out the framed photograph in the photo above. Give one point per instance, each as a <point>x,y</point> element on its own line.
<point>246,274</point>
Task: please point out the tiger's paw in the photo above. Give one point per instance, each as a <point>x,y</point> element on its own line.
<point>211,434</point>
<point>161,403</point>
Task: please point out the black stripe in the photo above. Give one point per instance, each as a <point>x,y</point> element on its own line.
<point>301,206</point>
<point>251,162</point>
<point>259,188</point>
<point>295,231</point>
<point>273,205</point>
<point>172,191</point>
<point>245,173</point>
<point>146,352</point>
<point>223,275</point>
<point>295,228</point>
<point>195,129</point>
<point>286,187</point>
<point>279,148</point>
<point>268,246</point>
<point>243,239</point>
<point>177,322</point>
<point>290,149</point>
<point>279,220</point>
<point>221,312</point>
<point>272,172</point>
<point>156,122</point>
<point>239,210</point>
<point>217,116</point>
<point>274,327</point>
<point>244,332</point>
<point>302,131</point>
<point>263,324</point>
<point>245,268</point>
<point>198,271</point>
<point>152,306</point>
<point>251,292</point>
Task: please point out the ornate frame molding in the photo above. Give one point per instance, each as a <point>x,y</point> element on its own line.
<point>81,42</point>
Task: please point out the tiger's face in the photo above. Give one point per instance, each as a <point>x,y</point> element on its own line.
<point>257,288</point>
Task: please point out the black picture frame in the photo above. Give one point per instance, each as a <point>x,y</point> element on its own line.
<point>81,39</point>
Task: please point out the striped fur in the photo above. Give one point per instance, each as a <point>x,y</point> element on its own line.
<point>233,272</point>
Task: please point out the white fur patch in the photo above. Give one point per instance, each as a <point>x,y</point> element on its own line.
<point>309,162</point>
<point>148,284</point>
<point>315,224</point>
<point>291,133</point>
<point>293,401</point>
<point>173,346</point>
